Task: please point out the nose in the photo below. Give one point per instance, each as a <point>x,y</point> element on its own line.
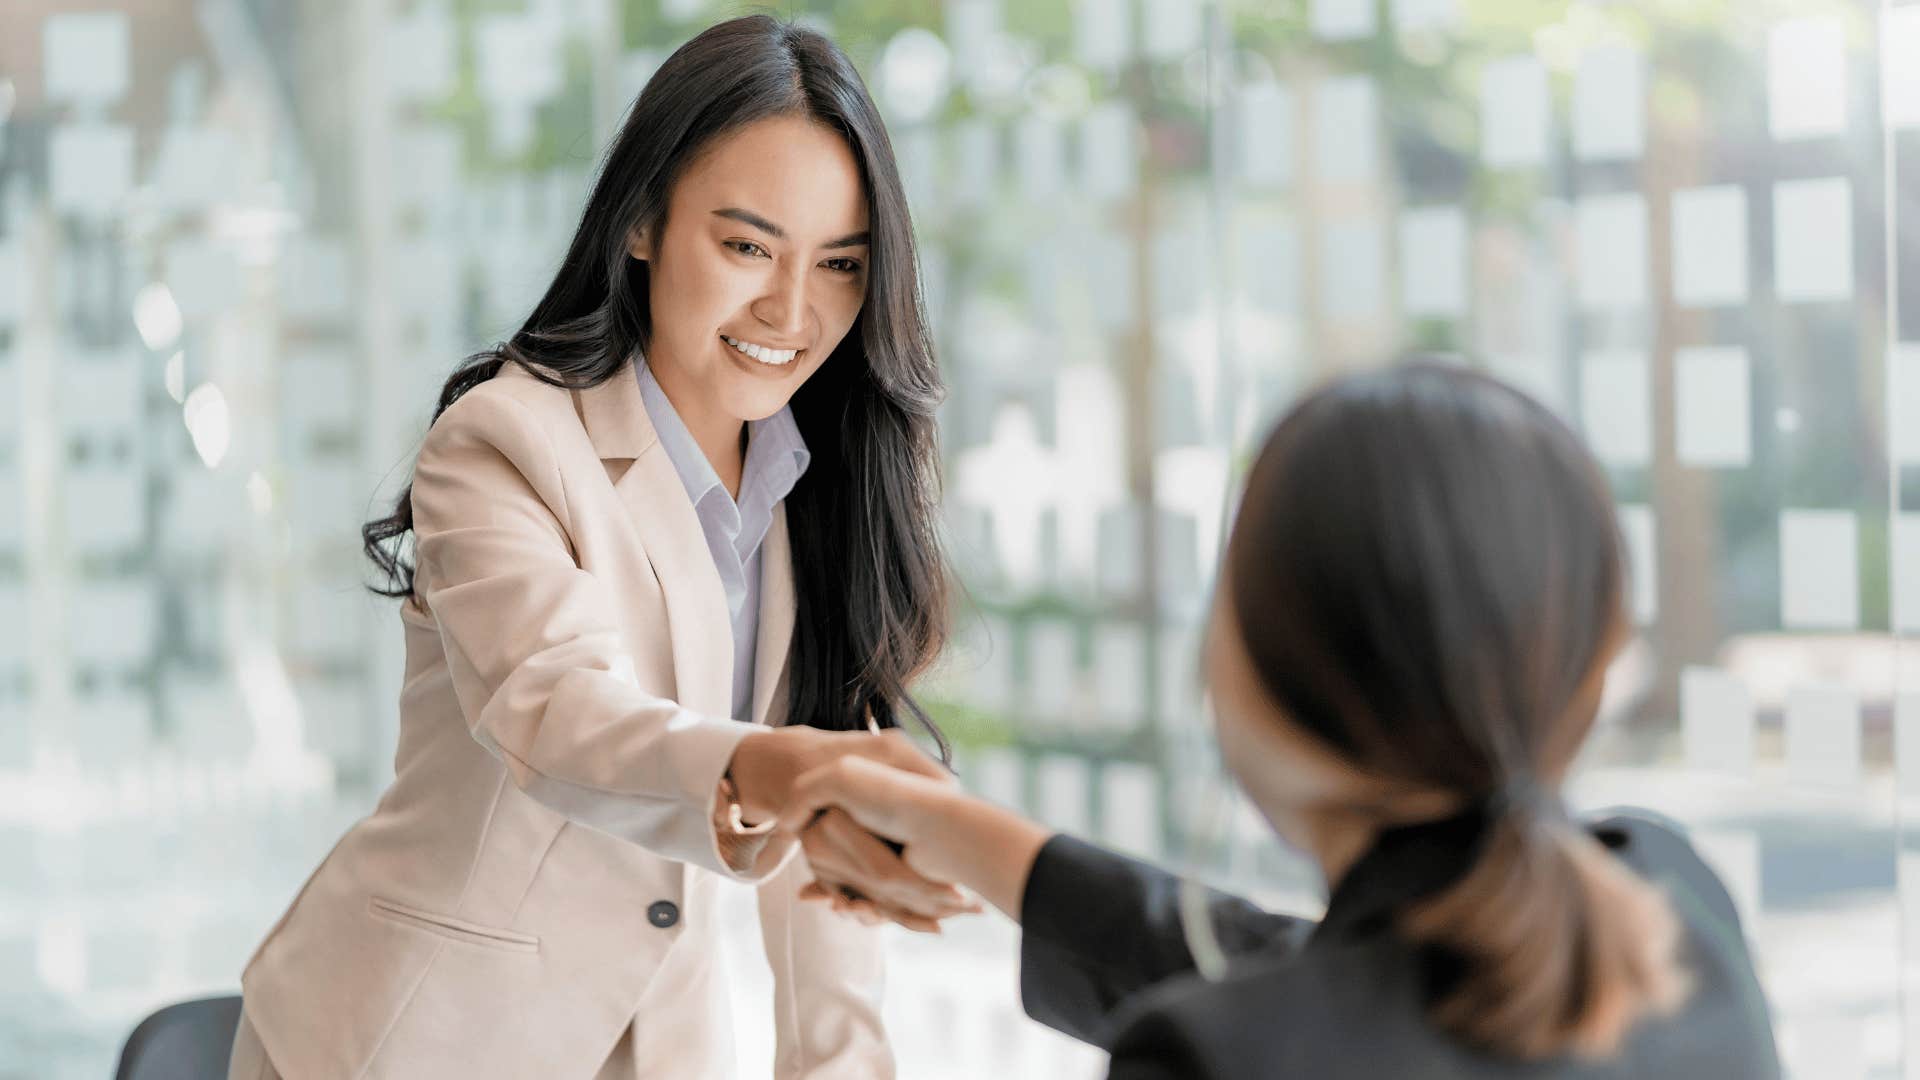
<point>784,307</point>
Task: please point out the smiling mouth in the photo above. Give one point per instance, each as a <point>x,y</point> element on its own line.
<point>761,353</point>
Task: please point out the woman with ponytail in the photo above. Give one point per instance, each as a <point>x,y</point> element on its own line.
<point>1419,600</point>
<point>667,547</point>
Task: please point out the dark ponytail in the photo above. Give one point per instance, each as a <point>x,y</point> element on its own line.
<point>1427,574</point>
<point>1563,947</point>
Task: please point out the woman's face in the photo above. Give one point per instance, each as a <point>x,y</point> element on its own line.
<point>758,271</point>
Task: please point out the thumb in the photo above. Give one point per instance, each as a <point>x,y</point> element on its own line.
<point>821,788</point>
<point>869,793</point>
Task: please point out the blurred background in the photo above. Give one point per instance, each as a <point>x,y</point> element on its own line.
<point>242,242</point>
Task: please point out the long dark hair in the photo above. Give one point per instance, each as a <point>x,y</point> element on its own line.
<point>1427,575</point>
<point>870,576</point>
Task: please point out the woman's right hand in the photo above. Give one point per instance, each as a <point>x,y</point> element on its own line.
<point>767,762</point>
<point>945,834</point>
<point>862,875</point>
<point>896,805</point>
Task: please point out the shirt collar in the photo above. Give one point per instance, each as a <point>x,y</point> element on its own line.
<point>695,471</point>
<point>1404,864</point>
<point>777,456</point>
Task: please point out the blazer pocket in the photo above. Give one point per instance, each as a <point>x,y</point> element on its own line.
<point>490,937</point>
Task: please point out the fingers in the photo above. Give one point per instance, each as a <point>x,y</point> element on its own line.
<point>863,909</point>
<point>856,785</point>
<point>852,855</point>
<point>869,912</point>
<point>859,908</point>
<point>893,750</point>
<point>841,851</point>
<point>895,803</point>
<point>874,914</point>
<point>896,749</point>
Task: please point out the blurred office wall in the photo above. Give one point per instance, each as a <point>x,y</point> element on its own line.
<point>243,241</point>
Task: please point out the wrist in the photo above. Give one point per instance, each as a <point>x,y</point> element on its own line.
<point>993,850</point>
<point>761,770</point>
<point>947,819</point>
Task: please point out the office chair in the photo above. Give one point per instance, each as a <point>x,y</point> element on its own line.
<point>191,1040</point>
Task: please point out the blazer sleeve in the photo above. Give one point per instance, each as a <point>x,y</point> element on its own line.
<point>1098,927</point>
<point>1155,1046</point>
<point>829,974</point>
<point>535,652</point>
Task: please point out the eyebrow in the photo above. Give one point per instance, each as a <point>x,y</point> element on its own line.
<point>748,217</point>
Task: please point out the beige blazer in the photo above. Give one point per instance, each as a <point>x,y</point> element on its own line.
<point>541,878</point>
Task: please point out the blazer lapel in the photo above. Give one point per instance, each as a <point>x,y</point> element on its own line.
<point>698,626</point>
<point>776,614</point>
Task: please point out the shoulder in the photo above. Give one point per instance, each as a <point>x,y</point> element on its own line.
<point>1658,849</point>
<point>510,433</point>
<point>513,401</point>
<point>533,424</point>
<point>1725,1018</point>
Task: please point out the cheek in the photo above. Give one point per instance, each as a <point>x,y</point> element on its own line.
<point>692,289</point>
<point>1264,767</point>
<point>812,365</point>
<point>840,305</point>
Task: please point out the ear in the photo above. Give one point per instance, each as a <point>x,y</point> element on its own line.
<point>640,243</point>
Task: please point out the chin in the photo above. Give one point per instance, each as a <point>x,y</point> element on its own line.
<point>750,394</point>
<point>750,403</point>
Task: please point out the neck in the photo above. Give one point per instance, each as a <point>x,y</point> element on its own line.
<point>1337,836</point>
<point>721,438</point>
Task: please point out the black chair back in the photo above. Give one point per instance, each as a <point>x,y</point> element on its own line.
<point>189,1041</point>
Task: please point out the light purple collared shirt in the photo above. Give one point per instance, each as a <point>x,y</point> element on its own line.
<point>776,457</point>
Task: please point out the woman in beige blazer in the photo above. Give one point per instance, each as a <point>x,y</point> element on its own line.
<point>671,546</point>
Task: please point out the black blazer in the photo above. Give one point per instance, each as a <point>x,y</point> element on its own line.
<point>1103,959</point>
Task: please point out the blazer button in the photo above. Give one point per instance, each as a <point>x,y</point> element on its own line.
<point>663,913</point>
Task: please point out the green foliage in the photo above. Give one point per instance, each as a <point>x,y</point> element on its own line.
<point>969,728</point>
<point>563,125</point>
<point>1434,336</point>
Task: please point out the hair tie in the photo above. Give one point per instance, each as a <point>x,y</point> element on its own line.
<point>1519,794</point>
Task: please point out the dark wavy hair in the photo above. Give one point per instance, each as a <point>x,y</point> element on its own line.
<point>870,575</point>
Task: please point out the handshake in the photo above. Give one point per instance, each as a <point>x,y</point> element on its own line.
<point>888,833</point>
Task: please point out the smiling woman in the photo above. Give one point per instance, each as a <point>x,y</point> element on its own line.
<point>672,545</point>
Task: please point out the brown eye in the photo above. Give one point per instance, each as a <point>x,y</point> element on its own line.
<point>748,248</point>
<point>843,266</point>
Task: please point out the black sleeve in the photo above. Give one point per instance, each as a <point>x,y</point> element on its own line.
<point>1098,927</point>
<point>1153,1046</point>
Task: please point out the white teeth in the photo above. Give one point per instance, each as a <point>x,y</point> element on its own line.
<point>761,352</point>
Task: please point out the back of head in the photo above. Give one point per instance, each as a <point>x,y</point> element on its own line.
<point>1428,577</point>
